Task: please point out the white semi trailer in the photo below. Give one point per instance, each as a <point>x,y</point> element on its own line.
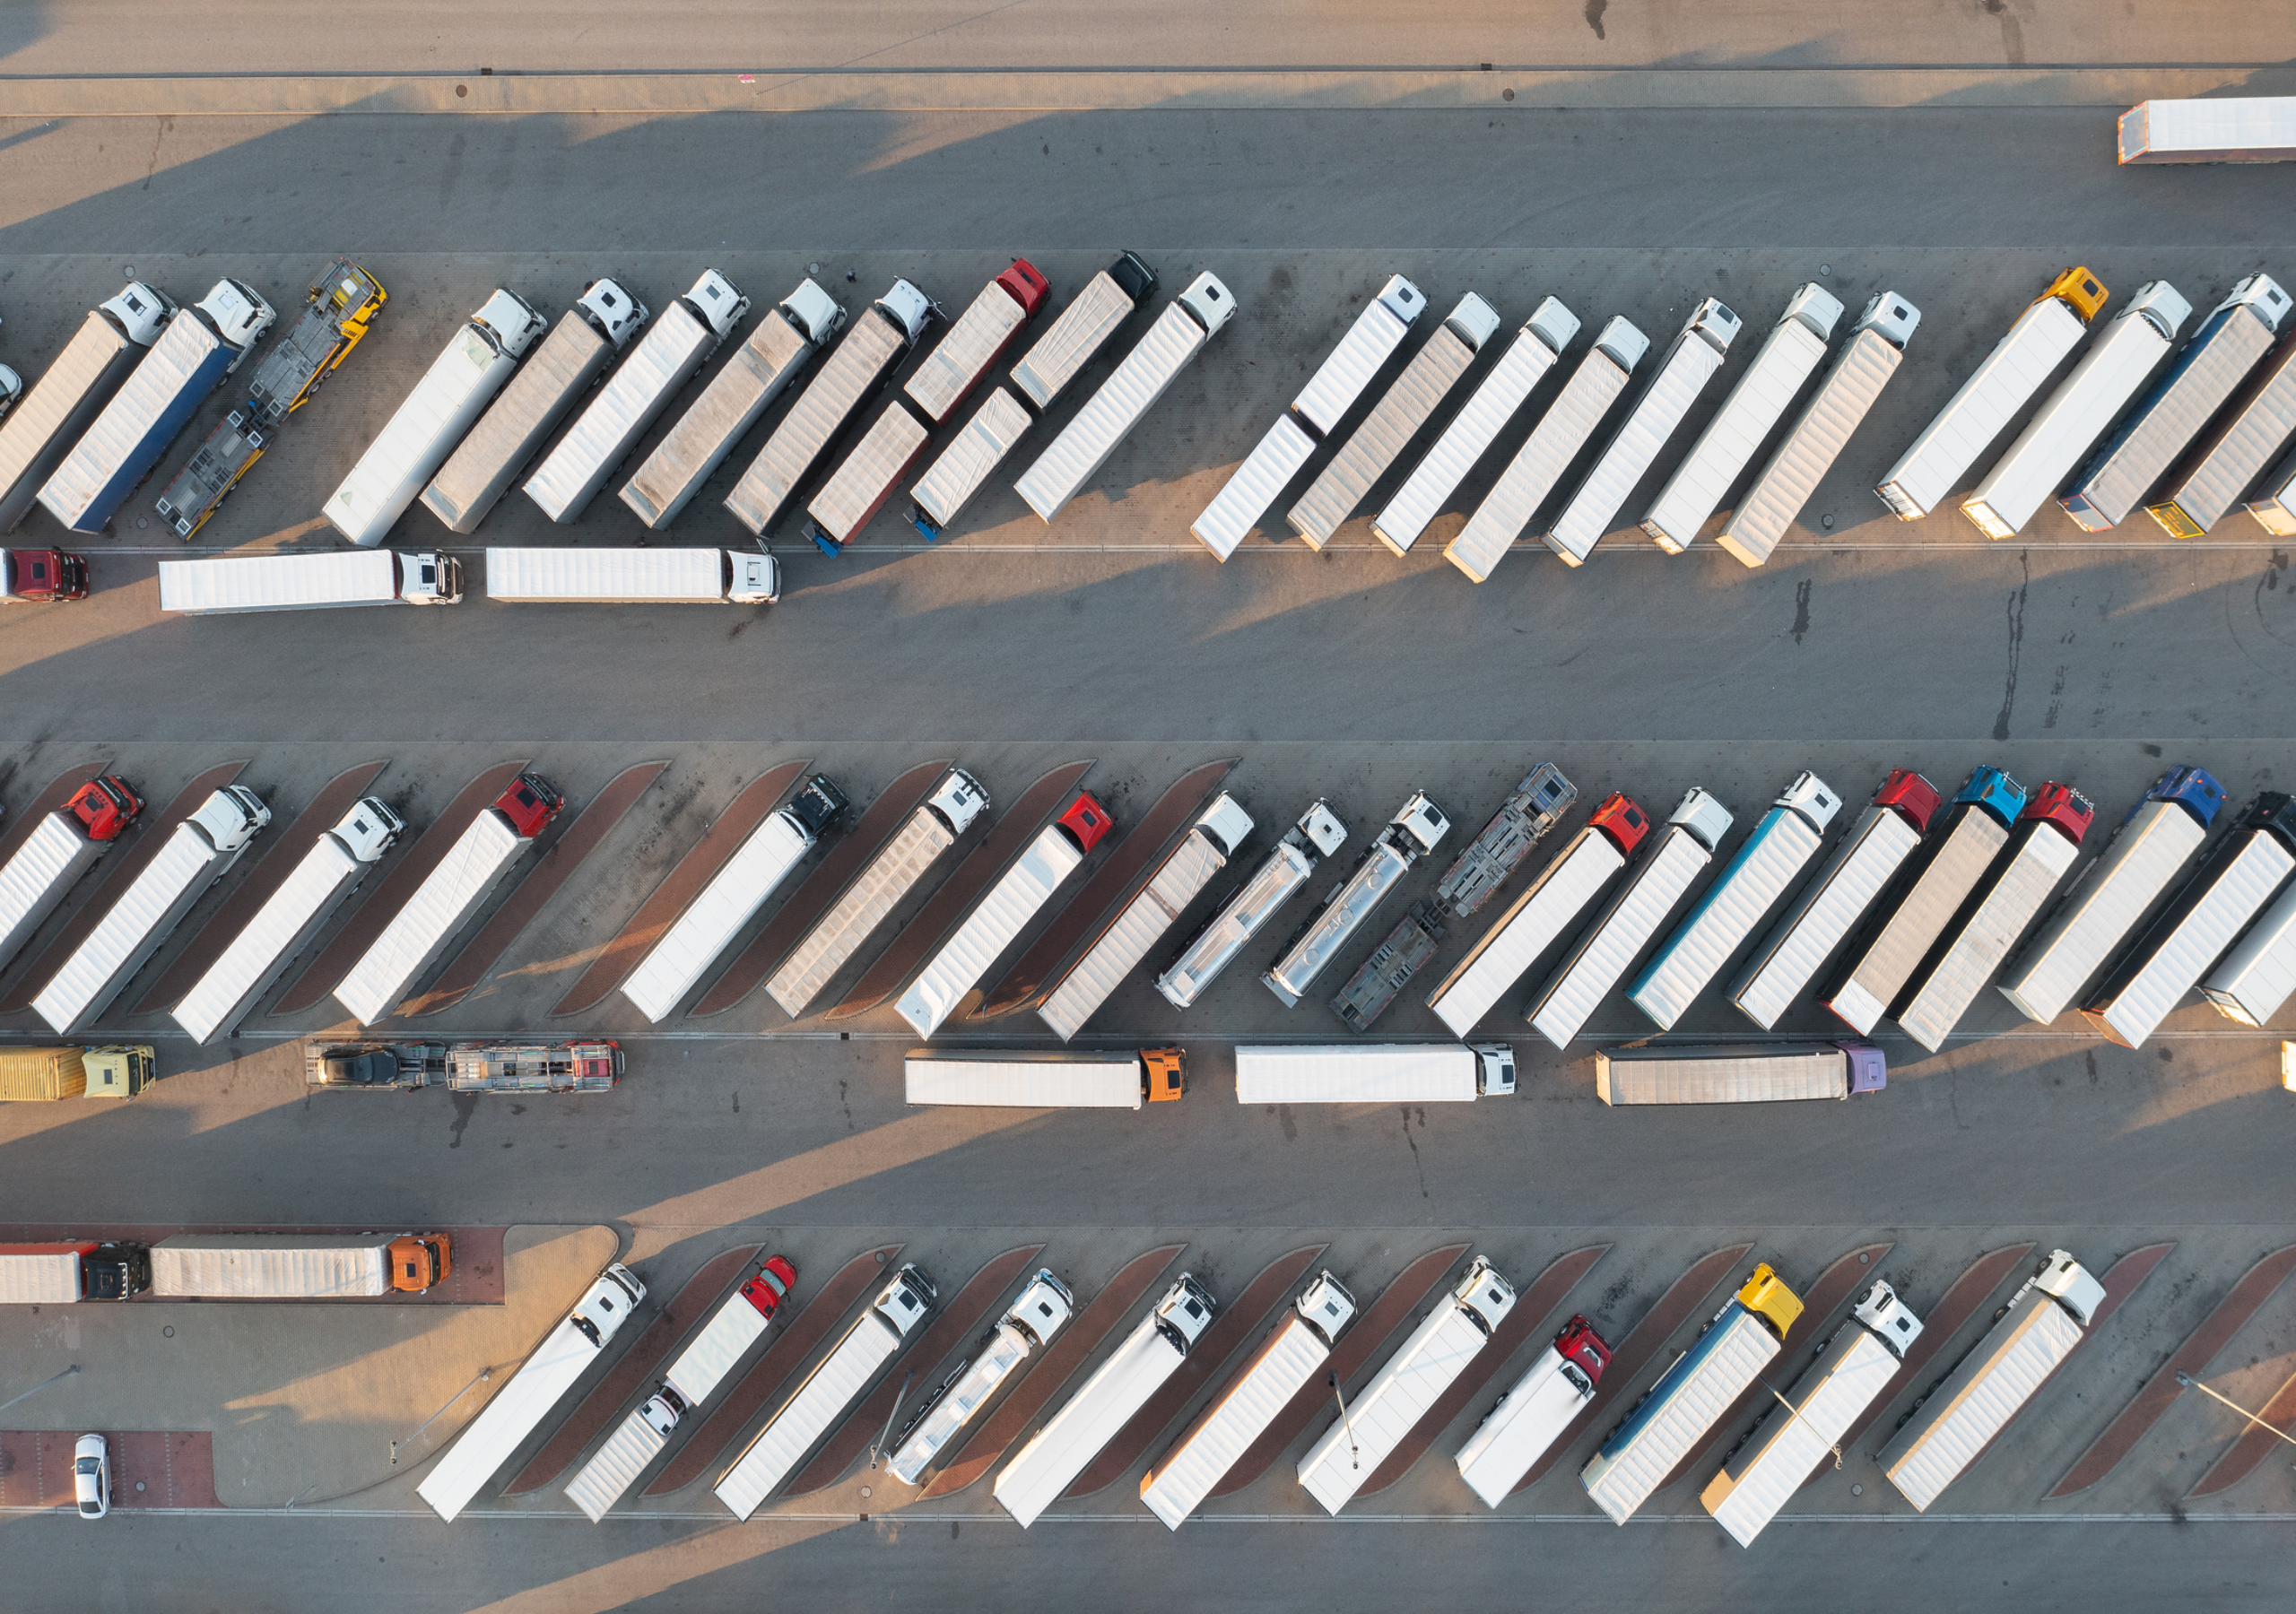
<point>1318,834</point>
<point>56,853</point>
<point>73,389</point>
<point>1533,1415</point>
<point>1374,1073</point>
<point>2235,129</point>
<point>632,576</point>
<point>343,578</point>
<point>1028,1325</point>
<point>1763,1073</point>
<point>1043,1078</point>
<point>2230,460</point>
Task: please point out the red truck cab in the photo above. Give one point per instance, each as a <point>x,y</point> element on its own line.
<point>105,806</point>
<point>1580,1346</point>
<point>1085,822</point>
<point>530,803</point>
<point>1026,286</point>
<point>2061,805</point>
<point>43,575</point>
<point>1620,819</point>
<point>1910,794</point>
<point>771,1285</point>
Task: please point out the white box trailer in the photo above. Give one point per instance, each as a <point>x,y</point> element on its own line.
<point>1958,1416</point>
<point>2230,342</point>
<point>35,878</point>
<point>1031,1078</point>
<point>2239,128</point>
<point>1286,1364</point>
<point>2226,463</point>
<point>1314,415</point>
<point>1783,365</point>
<point>1018,896</point>
<point>2250,983</point>
<point>1533,1414</point>
<point>1128,939</point>
<point>879,889</point>
<point>1374,1073</point>
<point>272,1266</point>
<point>829,1391</point>
<point>2082,409</point>
<point>540,1383</point>
<point>1609,947</point>
<point>1028,1325</point>
<point>1781,844</point>
<point>1096,1414</point>
<point>1188,323</point>
<point>864,359</point>
<point>313,892</point>
<point>73,389</point>
<point>513,430</point>
<point>1318,834</point>
<point>1538,344</point>
<point>734,400</point>
<point>2274,505</point>
<point>1876,348</point>
<point>1406,406</point>
<point>632,576</point>
<point>1689,364</point>
<point>67,1271</point>
<point>1763,1073</point>
<point>1566,428</point>
<point>674,965</point>
<point>1791,1443</point>
<point>434,418</point>
<point>318,582</point>
<point>197,853</point>
<point>1391,1403</point>
<point>1415,831</point>
<point>2037,342</point>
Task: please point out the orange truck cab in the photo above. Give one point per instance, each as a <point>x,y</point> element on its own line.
<point>1164,1071</point>
<point>420,1261</point>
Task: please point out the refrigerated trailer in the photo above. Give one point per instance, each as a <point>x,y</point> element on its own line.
<point>2227,462</point>
<point>1523,820</point>
<point>1028,1325</point>
<point>1876,348</point>
<point>2250,983</point>
<point>241,583</point>
<point>1682,374</point>
<point>2039,340</point>
<point>60,848</point>
<point>43,427</point>
<point>1788,356</point>
<point>1254,1396</point>
<point>1314,415</point>
<point>1416,828</point>
<point>1318,834</point>
<point>513,430</point>
<point>674,965</point>
<point>2240,128</point>
<point>1761,1073</point>
<point>1533,1415</point>
<point>1045,1078</point>
<point>879,889</point>
<point>67,1271</point>
<point>626,577</point>
<point>297,1266</point>
<point>1374,1073</point>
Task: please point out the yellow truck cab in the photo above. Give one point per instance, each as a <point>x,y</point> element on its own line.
<point>1765,1295</point>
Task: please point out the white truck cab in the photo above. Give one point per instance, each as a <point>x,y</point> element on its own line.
<point>905,306</point>
<point>1813,798</point>
<point>1883,1312</point>
<point>1486,1294</point>
<point>1423,820</point>
<point>232,817</point>
<point>241,316</point>
<point>426,579</point>
<point>370,828</point>
<point>1494,1069</point>
<point>756,580</point>
<point>1326,1306</point>
<point>958,799</point>
<point>1623,340</point>
<point>1890,317</point>
<point>1185,1309</point>
<point>511,319</point>
<point>142,312</point>
<point>614,311</point>
<point>713,298</point>
<point>2070,1282</point>
<point>816,312</point>
<point>1209,301</point>
<point>1043,1308</point>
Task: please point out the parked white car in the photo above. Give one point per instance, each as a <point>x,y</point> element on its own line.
<point>91,1476</point>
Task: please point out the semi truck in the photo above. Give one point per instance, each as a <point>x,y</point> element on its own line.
<point>1851,388</point>
<point>864,359</point>
<point>2239,875</point>
<point>1532,810</point>
<point>1782,365</point>
<point>540,1383</point>
<point>1374,1073</point>
<point>518,423</point>
<point>2230,342</point>
<point>743,885</point>
<point>398,959</point>
<point>1682,374</point>
<point>1781,844</point>
<point>1539,342</point>
<point>433,418</point>
<point>1690,1397</point>
<point>1318,834</point>
<point>42,427</point>
<point>1286,1363</point>
<point>735,399</point>
<point>1415,831</point>
<point>2250,983</point>
<point>1409,1382</point>
<point>2082,409</point>
<point>44,577</point>
<point>1568,424</point>
<point>200,346</point>
<point>1863,864</point>
<point>1027,1327</point>
<point>2096,916</point>
<point>1313,416</point>
<point>1976,826</point>
<point>1045,1078</point>
<point>337,313</point>
<point>293,913</point>
<point>1018,896</point>
<point>2226,463</point>
<point>1188,323</point>
<point>1096,1414</point>
<point>66,1272</point>
<point>677,343</point>
<point>632,576</point>
<point>308,581</point>
<point>828,1393</point>
<point>1793,1441</point>
<point>705,1364</point>
<point>1054,360</point>
<point>2037,342</point>
<point>1122,944</point>
<point>46,1075</point>
<point>197,854</point>
<point>1534,1413</point>
<point>1957,1418</point>
<point>2239,128</point>
<point>853,494</point>
<point>878,890</point>
<point>1762,1073</point>
<point>1541,915</point>
<point>1609,947</point>
<point>1380,979</point>
<point>1961,965</point>
<point>60,848</point>
<point>298,1266</point>
<point>1406,406</point>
